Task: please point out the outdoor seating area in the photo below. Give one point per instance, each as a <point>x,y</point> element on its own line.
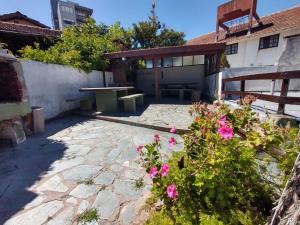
<point>142,124</point>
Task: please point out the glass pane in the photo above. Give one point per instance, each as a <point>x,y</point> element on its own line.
<point>177,61</point>
<point>167,62</point>
<point>198,59</point>
<point>149,64</point>
<point>187,60</point>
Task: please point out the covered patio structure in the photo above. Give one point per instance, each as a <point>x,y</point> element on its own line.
<point>181,66</point>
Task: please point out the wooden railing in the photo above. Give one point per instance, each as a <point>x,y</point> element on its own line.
<point>282,100</point>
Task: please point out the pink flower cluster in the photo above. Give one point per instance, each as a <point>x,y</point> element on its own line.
<point>226,132</point>
<point>222,121</point>
<point>139,148</point>
<point>172,142</point>
<point>172,191</point>
<point>156,138</point>
<point>164,171</point>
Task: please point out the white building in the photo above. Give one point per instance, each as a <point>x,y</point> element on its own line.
<point>264,45</point>
<point>68,13</point>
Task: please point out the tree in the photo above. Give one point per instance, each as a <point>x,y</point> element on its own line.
<point>152,33</point>
<point>82,46</point>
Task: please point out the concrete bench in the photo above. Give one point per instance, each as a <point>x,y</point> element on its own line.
<point>86,103</point>
<point>130,102</point>
<point>180,91</point>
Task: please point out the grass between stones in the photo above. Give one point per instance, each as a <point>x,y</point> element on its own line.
<point>87,216</point>
<point>87,182</point>
<point>139,184</point>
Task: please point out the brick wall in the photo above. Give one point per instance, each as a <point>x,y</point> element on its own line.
<point>10,86</point>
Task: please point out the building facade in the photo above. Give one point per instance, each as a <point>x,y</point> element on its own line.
<point>67,13</point>
<point>263,46</point>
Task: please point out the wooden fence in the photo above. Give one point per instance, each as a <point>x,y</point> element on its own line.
<point>282,99</point>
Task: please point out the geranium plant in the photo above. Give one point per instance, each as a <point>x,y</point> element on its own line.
<point>217,177</point>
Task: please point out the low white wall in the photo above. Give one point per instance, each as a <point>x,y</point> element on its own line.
<point>50,85</point>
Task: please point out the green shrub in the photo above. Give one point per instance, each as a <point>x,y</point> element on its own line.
<point>81,46</point>
<point>217,178</point>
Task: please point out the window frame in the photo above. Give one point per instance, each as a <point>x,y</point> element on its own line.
<point>271,41</point>
<point>233,49</point>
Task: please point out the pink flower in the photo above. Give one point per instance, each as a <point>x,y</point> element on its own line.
<point>222,121</point>
<point>153,172</point>
<point>172,142</point>
<point>171,191</point>
<point>173,130</point>
<point>164,170</point>
<point>156,138</point>
<point>139,148</point>
<point>226,132</point>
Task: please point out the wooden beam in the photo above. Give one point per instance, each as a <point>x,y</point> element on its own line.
<point>283,93</point>
<point>183,50</point>
<point>270,98</point>
<point>267,76</point>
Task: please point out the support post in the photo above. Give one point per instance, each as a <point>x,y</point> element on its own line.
<point>242,88</point>
<point>156,77</point>
<point>283,93</point>
<point>272,88</point>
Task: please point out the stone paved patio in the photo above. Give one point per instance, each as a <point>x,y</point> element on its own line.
<point>75,165</point>
<point>167,112</point>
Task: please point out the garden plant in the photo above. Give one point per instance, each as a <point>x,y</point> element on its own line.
<point>219,177</point>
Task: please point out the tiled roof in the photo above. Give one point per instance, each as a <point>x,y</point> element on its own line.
<point>29,30</point>
<point>18,15</point>
<point>271,24</point>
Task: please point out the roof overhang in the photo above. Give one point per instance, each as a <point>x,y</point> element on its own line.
<point>184,50</point>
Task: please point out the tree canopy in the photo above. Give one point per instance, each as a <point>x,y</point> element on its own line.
<point>152,33</point>
<point>82,46</point>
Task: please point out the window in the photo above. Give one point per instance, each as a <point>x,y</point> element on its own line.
<point>149,64</point>
<point>177,61</point>
<point>187,60</point>
<point>198,59</point>
<point>269,42</point>
<point>67,9</point>
<point>68,22</point>
<point>167,62</point>
<point>232,49</point>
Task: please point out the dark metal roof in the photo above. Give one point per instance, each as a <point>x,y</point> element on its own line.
<point>183,50</point>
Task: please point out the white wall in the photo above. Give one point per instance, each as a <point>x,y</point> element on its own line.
<point>50,85</point>
<point>181,74</point>
<point>250,56</point>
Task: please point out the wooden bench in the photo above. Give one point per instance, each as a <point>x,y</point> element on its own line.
<point>130,102</point>
<point>194,93</point>
<point>86,103</point>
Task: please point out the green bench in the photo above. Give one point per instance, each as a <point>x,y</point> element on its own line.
<point>130,102</point>
<point>86,103</point>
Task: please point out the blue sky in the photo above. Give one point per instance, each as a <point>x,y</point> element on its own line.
<point>194,17</point>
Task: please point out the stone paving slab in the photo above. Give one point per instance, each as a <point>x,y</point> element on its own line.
<point>77,164</point>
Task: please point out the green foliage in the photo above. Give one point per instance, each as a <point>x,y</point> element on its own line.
<point>219,180</point>
<point>81,46</point>
<point>87,216</point>
<point>152,33</point>
<point>224,62</point>
<point>139,184</point>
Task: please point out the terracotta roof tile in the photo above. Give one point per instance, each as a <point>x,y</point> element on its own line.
<point>18,15</point>
<point>274,23</point>
<point>25,29</point>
